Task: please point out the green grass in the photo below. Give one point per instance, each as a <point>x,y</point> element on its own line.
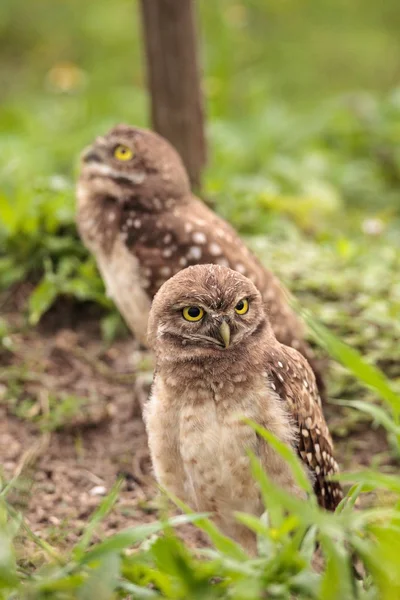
<point>304,136</point>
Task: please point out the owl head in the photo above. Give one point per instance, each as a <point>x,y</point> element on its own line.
<point>206,311</point>
<point>131,162</point>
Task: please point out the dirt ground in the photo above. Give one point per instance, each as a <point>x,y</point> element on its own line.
<point>68,461</point>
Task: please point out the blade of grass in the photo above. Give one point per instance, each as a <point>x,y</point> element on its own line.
<point>102,580</point>
<point>271,503</point>
<point>133,535</point>
<point>287,453</point>
<point>220,541</point>
<point>45,546</point>
<point>348,502</point>
<point>378,414</point>
<point>100,513</point>
<point>353,361</point>
<point>338,580</point>
<point>371,478</point>
<point>137,592</point>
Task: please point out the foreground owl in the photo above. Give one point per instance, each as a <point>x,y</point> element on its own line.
<point>217,360</point>
<point>137,215</point>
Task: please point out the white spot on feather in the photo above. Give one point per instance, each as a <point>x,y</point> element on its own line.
<point>199,237</point>
<point>194,252</point>
<point>215,249</point>
<point>317,451</point>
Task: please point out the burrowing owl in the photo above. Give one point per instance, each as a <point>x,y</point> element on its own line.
<point>217,360</point>
<point>137,215</point>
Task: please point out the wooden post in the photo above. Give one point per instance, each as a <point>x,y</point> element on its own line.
<point>174,79</point>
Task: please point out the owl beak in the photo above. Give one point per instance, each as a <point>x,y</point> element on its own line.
<point>89,155</point>
<point>225,333</point>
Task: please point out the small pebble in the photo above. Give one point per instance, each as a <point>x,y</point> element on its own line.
<point>98,490</point>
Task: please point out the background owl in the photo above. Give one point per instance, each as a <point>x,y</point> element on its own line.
<point>217,360</point>
<point>138,217</point>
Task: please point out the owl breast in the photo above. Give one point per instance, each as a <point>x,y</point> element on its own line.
<point>121,273</point>
<point>213,444</point>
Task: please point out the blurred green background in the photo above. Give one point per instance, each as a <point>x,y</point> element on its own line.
<point>303,123</point>
<point>301,98</point>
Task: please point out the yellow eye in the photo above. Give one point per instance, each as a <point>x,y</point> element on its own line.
<point>193,313</point>
<point>123,153</point>
<point>242,306</point>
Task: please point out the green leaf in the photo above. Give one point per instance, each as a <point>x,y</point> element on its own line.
<point>129,537</point>
<point>253,523</point>
<point>8,575</point>
<point>338,580</point>
<point>381,558</point>
<point>60,583</point>
<point>102,580</point>
<point>372,479</point>
<point>41,299</point>
<point>287,453</point>
<point>111,326</point>
<point>8,215</point>
<point>172,558</point>
<point>270,500</point>
<point>348,502</point>
<point>137,592</point>
<point>100,513</point>
<point>308,543</point>
<point>220,541</point>
<point>352,360</point>
<point>376,412</point>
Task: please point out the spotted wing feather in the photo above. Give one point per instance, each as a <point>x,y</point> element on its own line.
<point>293,380</point>
<point>189,233</point>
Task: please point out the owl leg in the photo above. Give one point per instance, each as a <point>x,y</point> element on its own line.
<point>246,538</point>
<point>239,533</point>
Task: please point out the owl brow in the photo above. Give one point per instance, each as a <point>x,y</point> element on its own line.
<point>249,297</point>
<point>115,145</point>
<point>180,305</point>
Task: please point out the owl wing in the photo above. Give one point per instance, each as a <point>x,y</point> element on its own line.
<point>292,379</point>
<point>186,234</point>
<point>189,233</point>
